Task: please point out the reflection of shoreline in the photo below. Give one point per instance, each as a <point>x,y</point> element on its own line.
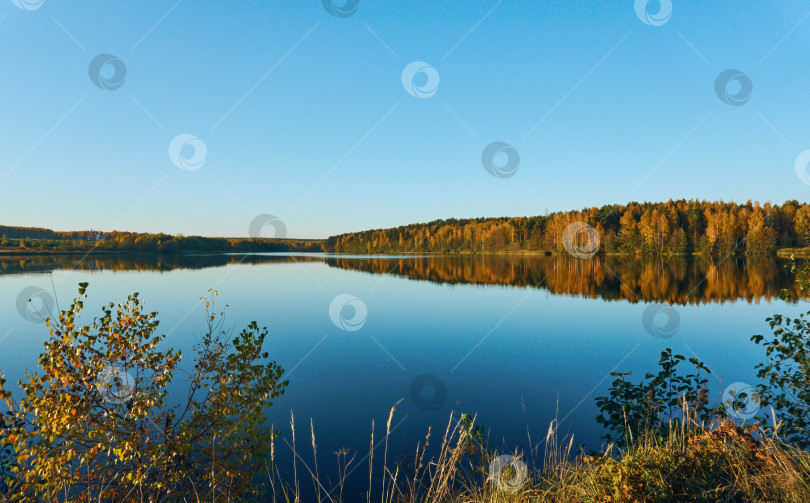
<point>675,280</point>
<point>128,261</point>
<point>9,255</point>
<point>16,252</point>
<point>6,254</point>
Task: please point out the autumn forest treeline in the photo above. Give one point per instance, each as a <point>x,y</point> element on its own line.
<point>673,227</point>
<point>47,240</point>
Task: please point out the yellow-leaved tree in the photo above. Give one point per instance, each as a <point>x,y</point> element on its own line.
<point>96,421</point>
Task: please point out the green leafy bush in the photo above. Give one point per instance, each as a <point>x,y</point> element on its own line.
<point>630,410</point>
<point>786,377</point>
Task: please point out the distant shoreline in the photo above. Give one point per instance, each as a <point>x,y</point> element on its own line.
<point>21,252</point>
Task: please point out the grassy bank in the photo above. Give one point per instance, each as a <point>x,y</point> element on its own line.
<point>721,462</point>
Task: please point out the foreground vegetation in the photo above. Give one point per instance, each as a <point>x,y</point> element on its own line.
<point>715,462</point>
<point>94,425</point>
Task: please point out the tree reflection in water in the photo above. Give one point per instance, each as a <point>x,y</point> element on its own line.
<point>675,280</point>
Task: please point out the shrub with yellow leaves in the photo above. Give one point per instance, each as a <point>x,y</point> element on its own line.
<point>95,422</point>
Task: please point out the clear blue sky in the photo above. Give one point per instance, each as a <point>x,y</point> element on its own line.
<point>304,115</point>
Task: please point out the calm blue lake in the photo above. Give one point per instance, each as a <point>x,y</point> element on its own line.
<point>519,341</point>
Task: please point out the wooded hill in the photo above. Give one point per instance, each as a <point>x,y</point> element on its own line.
<point>46,240</point>
<point>673,227</point>
<point>641,228</point>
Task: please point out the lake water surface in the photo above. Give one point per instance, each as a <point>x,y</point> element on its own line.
<point>519,341</point>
